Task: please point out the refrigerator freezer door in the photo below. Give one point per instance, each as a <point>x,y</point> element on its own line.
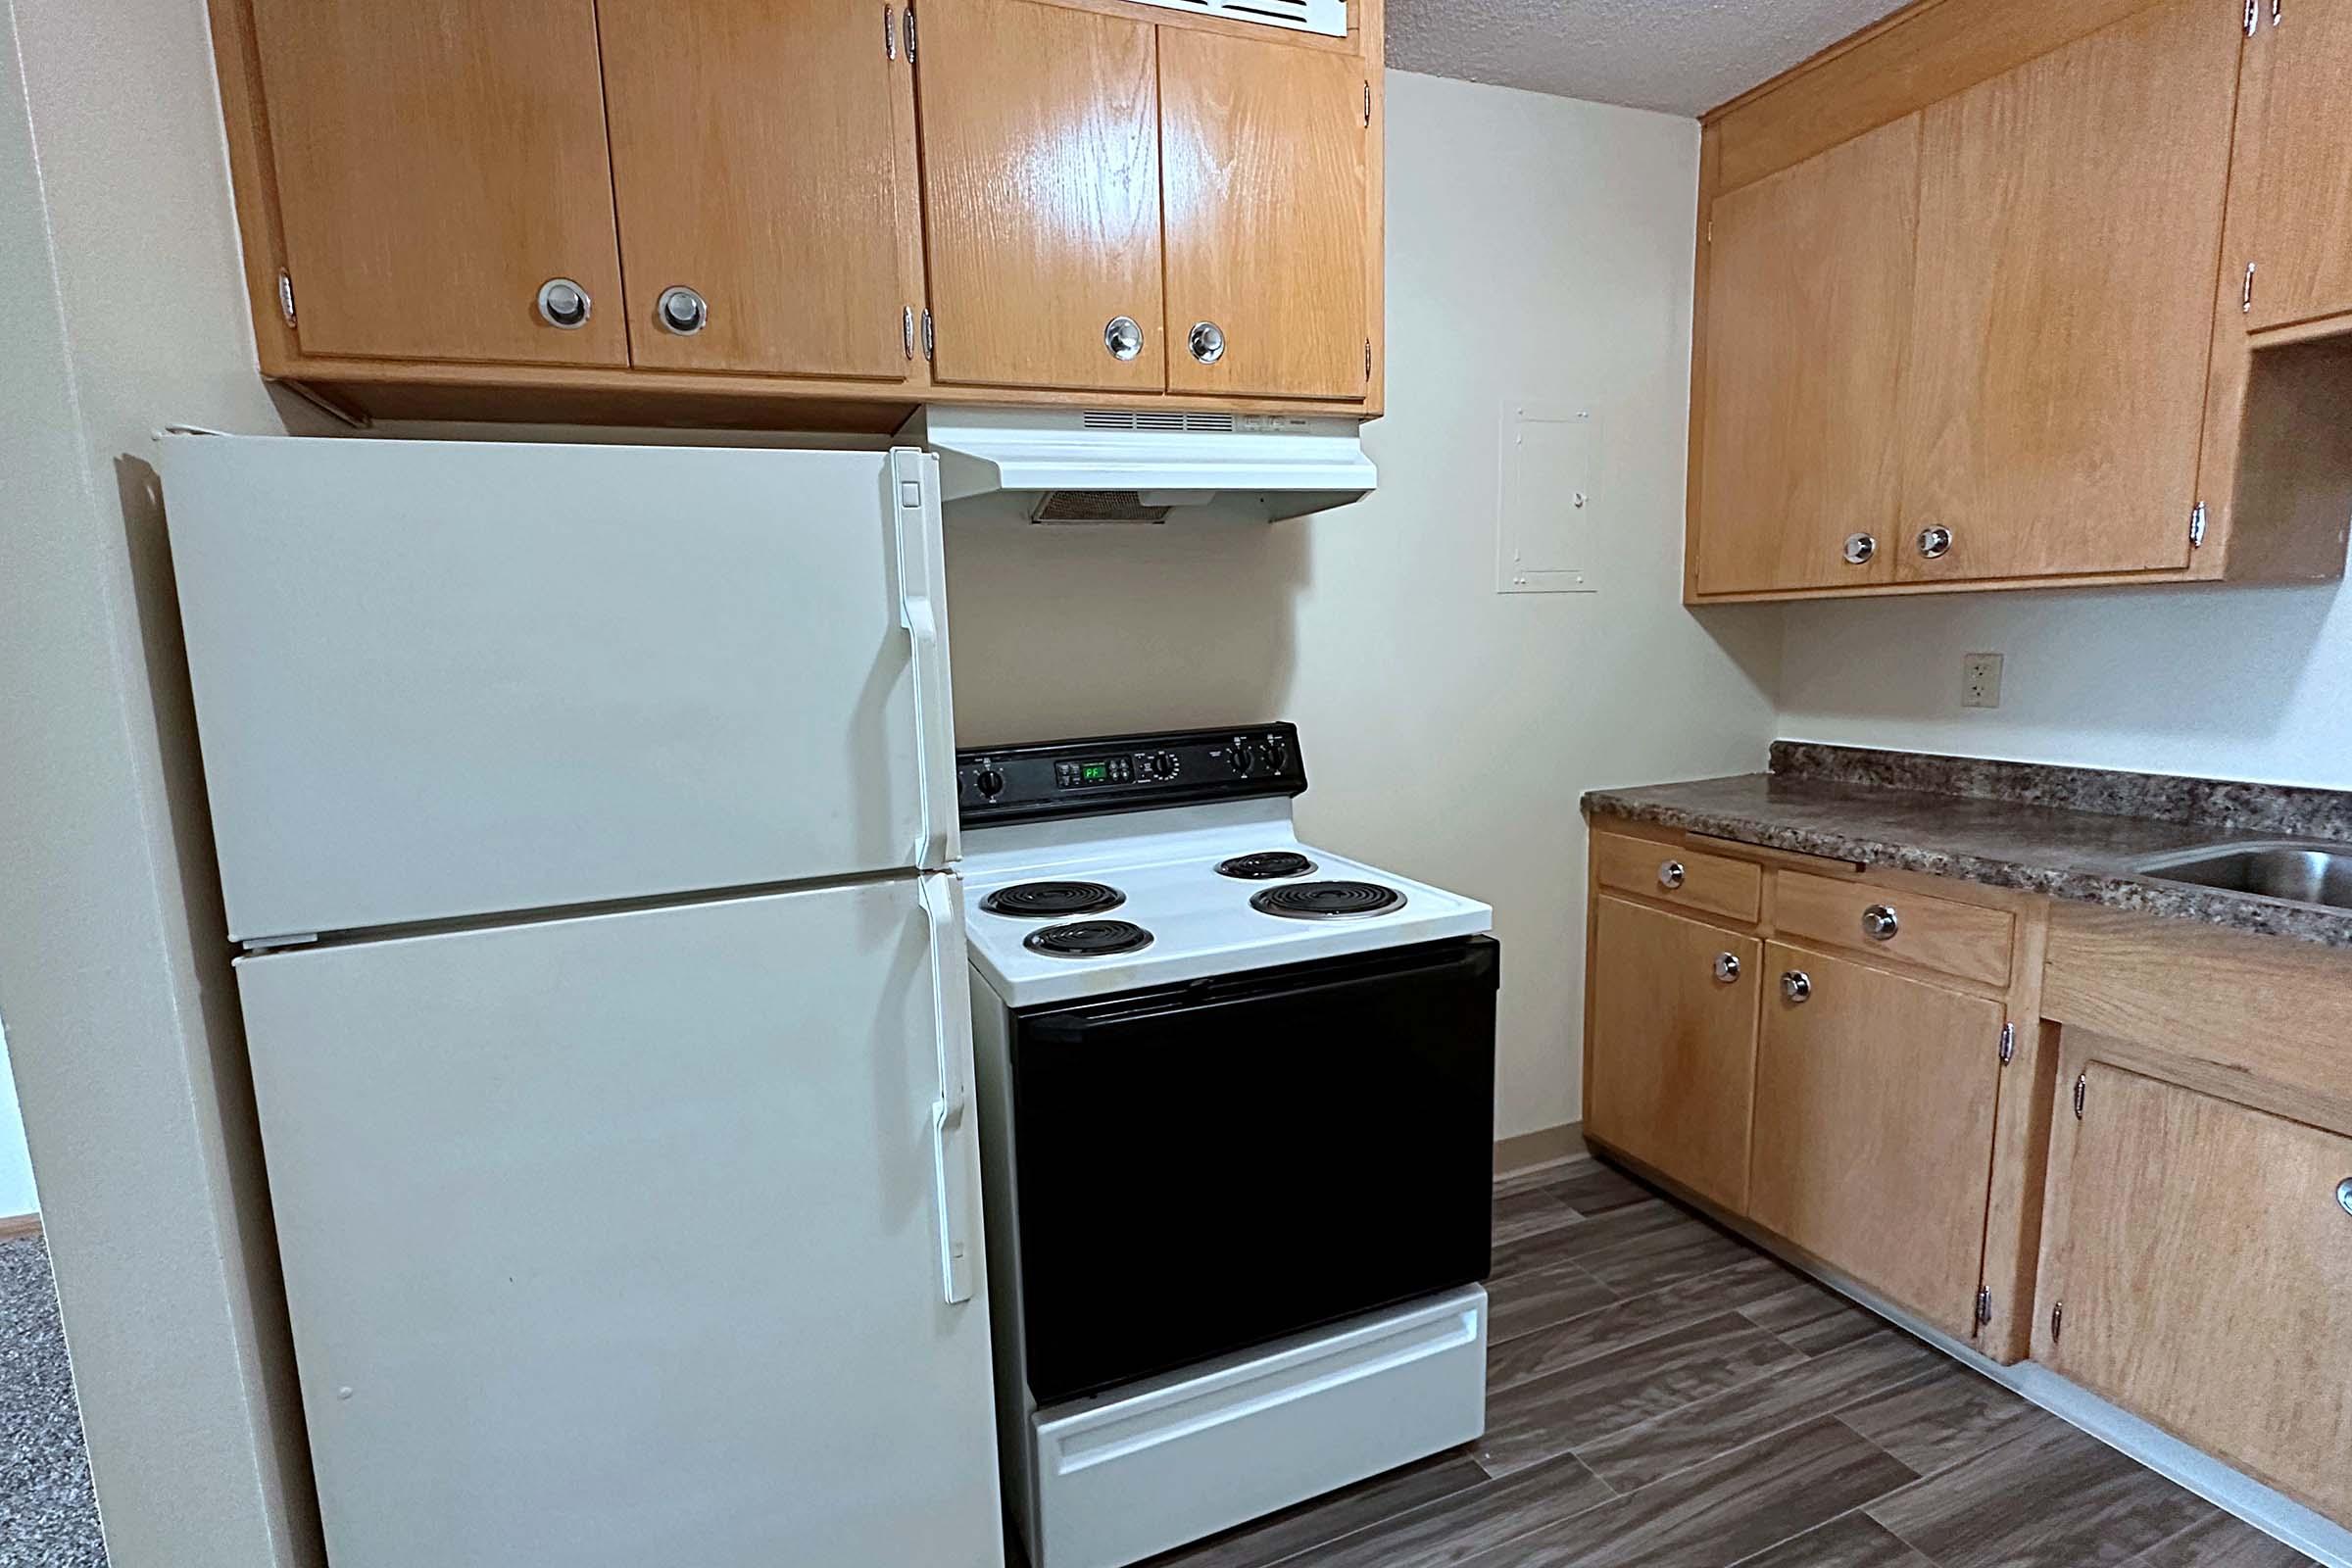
<point>440,679</point>
<point>613,1239</point>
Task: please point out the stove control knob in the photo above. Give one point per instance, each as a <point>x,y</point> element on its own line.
<point>1278,752</point>
<point>991,782</point>
<point>1168,764</point>
<point>1241,754</point>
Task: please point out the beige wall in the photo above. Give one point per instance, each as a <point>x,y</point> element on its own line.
<point>1538,249</point>
<point>2250,683</point>
<point>121,311</point>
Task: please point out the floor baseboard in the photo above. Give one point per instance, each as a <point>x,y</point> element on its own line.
<point>15,1227</point>
<point>1546,1145</point>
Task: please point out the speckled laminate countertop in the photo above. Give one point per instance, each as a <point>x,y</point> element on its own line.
<point>2072,833</point>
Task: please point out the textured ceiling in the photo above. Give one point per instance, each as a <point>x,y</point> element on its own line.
<point>1681,56</point>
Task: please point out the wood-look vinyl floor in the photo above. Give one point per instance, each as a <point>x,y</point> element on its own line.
<point>1662,1394</point>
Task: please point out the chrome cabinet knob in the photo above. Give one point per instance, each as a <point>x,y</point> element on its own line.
<point>2343,1194</point>
<point>1796,986</point>
<point>563,303</point>
<point>1935,541</point>
<point>1859,548</point>
<point>682,310</point>
<point>1878,922</point>
<point>1122,338</point>
<point>1670,874</point>
<point>1727,967</point>
<point>1207,342</point>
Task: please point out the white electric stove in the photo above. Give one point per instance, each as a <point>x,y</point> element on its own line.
<point>1236,1120</point>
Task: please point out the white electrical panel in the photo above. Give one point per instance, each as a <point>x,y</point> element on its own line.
<point>1544,537</point>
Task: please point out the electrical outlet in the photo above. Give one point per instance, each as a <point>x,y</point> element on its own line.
<point>1980,680</point>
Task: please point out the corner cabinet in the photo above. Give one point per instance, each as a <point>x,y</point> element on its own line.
<point>805,214</point>
<point>1960,322</point>
<point>1844,1060</point>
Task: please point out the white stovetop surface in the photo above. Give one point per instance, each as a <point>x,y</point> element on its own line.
<point>1201,923</point>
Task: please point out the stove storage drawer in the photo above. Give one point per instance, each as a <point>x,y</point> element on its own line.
<point>1209,1167</point>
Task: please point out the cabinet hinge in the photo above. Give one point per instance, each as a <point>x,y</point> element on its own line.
<point>2196,527</point>
<point>890,32</point>
<point>2253,14</point>
<point>1984,1304</point>
<point>930,336</point>
<point>906,330</point>
<point>2278,12</point>
<point>1367,103</point>
<point>1367,359</point>
<point>2245,291</point>
<point>2081,1088</point>
<point>2057,1321</point>
<point>285,295</point>
<point>2008,1043</point>
<point>909,21</point>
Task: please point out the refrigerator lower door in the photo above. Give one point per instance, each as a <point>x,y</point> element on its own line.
<point>440,679</point>
<point>621,1239</point>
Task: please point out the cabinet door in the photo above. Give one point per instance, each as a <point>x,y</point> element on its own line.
<point>756,155</point>
<point>2206,1276</point>
<point>1875,1098</point>
<point>1673,1044</point>
<point>1041,194</point>
<point>1808,311</point>
<point>1263,148</point>
<point>2303,205</point>
<point>437,161</point>
<point>2070,221</point>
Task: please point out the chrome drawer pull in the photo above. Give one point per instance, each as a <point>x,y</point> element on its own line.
<point>1670,874</point>
<point>1796,986</point>
<point>1726,968</point>
<point>1878,922</point>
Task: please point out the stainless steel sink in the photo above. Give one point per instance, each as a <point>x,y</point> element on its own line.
<point>2303,873</point>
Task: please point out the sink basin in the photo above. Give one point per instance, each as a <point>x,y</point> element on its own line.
<point>2303,873</point>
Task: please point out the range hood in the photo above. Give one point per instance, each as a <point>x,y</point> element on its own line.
<point>1096,465</point>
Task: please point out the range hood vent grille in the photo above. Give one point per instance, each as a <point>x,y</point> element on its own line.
<point>1120,420</point>
<point>1095,506</point>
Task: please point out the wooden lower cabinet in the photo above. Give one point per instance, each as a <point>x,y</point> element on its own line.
<point>1874,1096</point>
<point>2202,1262</point>
<point>1672,1046</point>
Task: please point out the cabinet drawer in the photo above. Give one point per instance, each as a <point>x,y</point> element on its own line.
<point>1962,939</point>
<point>1733,889</point>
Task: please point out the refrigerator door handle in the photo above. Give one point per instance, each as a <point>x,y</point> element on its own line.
<point>922,595</point>
<point>950,1112</point>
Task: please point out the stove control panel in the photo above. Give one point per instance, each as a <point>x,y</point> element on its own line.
<point>1126,773</point>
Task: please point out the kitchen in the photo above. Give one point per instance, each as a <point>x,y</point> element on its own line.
<point>1538,257</point>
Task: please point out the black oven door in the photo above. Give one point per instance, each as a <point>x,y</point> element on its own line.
<point>1207,1166</point>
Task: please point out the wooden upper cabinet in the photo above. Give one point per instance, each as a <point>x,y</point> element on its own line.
<point>756,160</point>
<point>1264,151</point>
<point>1041,194</point>
<point>1673,1047</point>
<point>2069,218</point>
<point>1875,1096</point>
<point>1807,311</point>
<point>2302,222</point>
<point>435,162</point>
<point>2204,1263</point>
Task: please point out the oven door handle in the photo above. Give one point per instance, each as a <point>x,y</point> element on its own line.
<point>942,896</point>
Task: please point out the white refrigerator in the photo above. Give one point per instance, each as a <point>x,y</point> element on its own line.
<point>586,818</point>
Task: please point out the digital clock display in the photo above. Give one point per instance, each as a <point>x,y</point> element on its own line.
<point>1095,772</point>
